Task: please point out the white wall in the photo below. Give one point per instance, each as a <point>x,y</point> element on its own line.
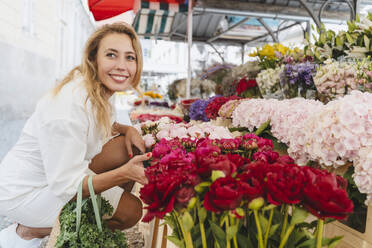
<point>40,40</point>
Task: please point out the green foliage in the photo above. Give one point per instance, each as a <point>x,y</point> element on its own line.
<point>356,41</point>
<point>89,235</point>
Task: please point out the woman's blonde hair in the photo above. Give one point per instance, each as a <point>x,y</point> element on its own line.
<point>97,92</point>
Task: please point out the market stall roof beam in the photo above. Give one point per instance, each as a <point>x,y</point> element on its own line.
<point>275,32</point>
<point>228,29</point>
<point>275,37</point>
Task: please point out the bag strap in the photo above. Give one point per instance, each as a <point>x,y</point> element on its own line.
<point>79,206</point>
<point>80,203</point>
<point>94,202</point>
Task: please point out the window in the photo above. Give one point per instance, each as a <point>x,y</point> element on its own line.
<point>28,17</point>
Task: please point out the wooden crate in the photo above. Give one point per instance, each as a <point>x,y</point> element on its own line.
<point>352,238</point>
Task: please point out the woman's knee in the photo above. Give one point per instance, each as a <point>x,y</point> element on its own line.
<point>129,211</point>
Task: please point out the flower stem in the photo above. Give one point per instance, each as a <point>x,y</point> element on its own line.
<point>319,233</point>
<point>235,241</point>
<point>202,231</point>
<point>259,232</point>
<point>228,244</point>
<point>285,222</point>
<point>268,227</point>
<point>186,235</point>
<point>286,236</point>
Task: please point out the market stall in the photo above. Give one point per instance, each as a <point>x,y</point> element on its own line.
<point>281,147</point>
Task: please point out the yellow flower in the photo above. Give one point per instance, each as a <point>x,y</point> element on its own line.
<point>254,54</point>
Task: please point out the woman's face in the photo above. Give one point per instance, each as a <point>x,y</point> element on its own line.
<point>116,62</point>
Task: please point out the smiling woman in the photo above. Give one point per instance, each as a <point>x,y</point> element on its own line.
<point>116,60</point>
<point>72,134</point>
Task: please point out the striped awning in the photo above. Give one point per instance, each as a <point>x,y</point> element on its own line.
<point>154,19</point>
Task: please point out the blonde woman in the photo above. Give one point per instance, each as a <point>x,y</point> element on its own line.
<point>72,134</point>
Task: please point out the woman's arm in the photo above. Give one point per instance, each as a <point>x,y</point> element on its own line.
<point>132,137</point>
<point>131,171</point>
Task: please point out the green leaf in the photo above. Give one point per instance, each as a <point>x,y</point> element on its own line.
<point>366,41</point>
<point>299,215</point>
<point>262,127</point>
<point>176,241</point>
<point>349,38</point>
<point>339,42</point>
<point>264,222</point>
<point>202,186</point>
<point>330,242</point>
<point>310,243</point>
<point>334,241</point>
<point>322,38</point>
<point>217,174</point>
<point>187,221</point>
<point>357,18</point>
<point>273,229</point>
<point>231,232</point>
<point>218,234</point>
<point>243,241</point>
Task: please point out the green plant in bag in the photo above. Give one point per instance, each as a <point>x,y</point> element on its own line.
<point>89,235</point>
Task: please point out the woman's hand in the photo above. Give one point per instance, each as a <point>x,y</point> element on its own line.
<point>132,137</point>
<point>134,169</point>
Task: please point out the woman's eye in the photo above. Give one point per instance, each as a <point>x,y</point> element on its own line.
<point>130,57</point>
<point>111,55</point>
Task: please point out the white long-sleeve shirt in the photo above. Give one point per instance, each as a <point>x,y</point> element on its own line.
<point>55,146</point>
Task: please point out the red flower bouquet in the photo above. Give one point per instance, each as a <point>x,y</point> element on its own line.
<point>214,106</point>
<point>239,193</point>
<point>247,88</point>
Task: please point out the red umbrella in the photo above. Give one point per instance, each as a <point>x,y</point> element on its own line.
<point>104,9</point>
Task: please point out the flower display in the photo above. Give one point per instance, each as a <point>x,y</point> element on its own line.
<point>217,192</point>
<point>287,120</point>
<point>197,109</point>
<point>335,79</point>
<point>228,108</point>
<point>165,128</point>
<point>152,94</point>
<point>271,56</point>
<point>353,43</point>
<point>297,79</point>
<point>211,111</point>
<point>269,81</point>
<point>336,133</point>
<point>245,84</point>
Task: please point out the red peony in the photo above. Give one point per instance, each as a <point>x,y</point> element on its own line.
<point>252,186</point>
<point>169,186</point>
<point>228,144</point>
<point>224,194</point>
<point>284,184</point>
<point>285,159</point>
<point>266,156</point>
<point>164,146</point>
<point>214,106</point>
<point>325,195</point>
<point>245,84</point>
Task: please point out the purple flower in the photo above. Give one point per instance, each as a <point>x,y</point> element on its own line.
<point>197,109</point>
<point>298,77</point>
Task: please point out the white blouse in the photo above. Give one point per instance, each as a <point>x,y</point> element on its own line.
<point>55,146</point>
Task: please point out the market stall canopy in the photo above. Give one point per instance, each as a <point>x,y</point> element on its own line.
<point>239,22</point>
